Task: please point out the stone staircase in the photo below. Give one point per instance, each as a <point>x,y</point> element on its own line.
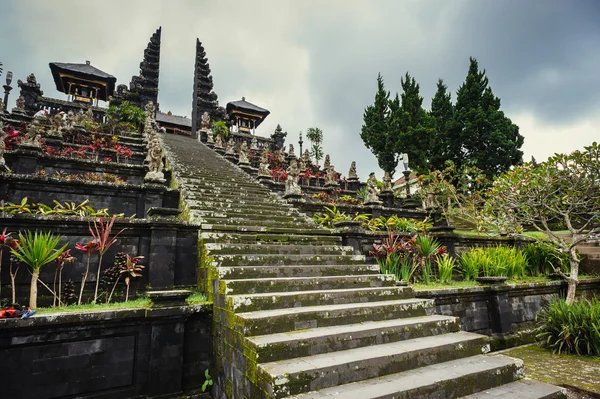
<point>296,314</point>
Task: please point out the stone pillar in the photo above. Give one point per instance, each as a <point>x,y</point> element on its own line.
<point>166,355</point>
<point>27,160</point>
<point>387,197</point>
<point>500,311</point>
<point>163,245</point>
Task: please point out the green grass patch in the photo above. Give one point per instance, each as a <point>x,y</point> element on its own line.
<point>89,307</point>
<point>466,284</point>
<point>197,298</point>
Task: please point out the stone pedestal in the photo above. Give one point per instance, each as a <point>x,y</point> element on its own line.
<point>155,178</point>
<point>28,159</point>
<point>265,180</point>
<point>246,167</point>
<point>170,298</point>
<point>353,184</point>
<point>387,198</point>
<point>219,150</point>
<point>410,203</point>
<point>231,158</point>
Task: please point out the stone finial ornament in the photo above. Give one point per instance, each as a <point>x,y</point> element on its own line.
<point>306,158</point>
<point>292,189</point>
<point>243,154</point>
<point>372,196</point>
<point>327,162</point>
<point>352,175</point>
<point>291,151</point>
<point>387,183</point>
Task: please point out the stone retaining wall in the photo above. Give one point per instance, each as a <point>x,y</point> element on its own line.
<point>502,311</point>
<point>147,353</point>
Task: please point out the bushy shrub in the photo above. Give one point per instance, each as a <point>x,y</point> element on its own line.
<point>571,328</point>
<point>543,258</point>
<point>493,262</point>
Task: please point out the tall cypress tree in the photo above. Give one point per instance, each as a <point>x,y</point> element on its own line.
<point>481,133</point>
<point>375,131</point>
<point>412,126</point>
<point>442,113</point>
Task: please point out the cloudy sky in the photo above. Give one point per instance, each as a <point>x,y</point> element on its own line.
<point>315,63</point>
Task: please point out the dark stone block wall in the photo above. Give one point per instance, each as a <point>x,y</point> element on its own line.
<point>114,354</point>
<point>501,311</point>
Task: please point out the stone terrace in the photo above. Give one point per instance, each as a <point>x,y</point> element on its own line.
<point>297,314</point>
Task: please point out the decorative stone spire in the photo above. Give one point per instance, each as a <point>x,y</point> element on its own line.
<point>204,99</point>
<point>30,91</point>
<point>291,151</point>
<point>352,175</point>
<point>144,87</point>
<point>387,183</point>
<point>279,137</point>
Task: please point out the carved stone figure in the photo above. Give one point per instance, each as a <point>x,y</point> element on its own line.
<point>243,155</point>
<point>330,180</point>
<point>254,144</point>
<point>219,142</point>
<point>280,157</point>
<point>372,196</point>
<point>306,158</point>
<point>230,147</point>
<point>89,115</point>
<point>20,105</point>
<point>57,126</point>
<point>327,162</point>
<point>387,183</point>
<point>291,151</point>
<point>79,117</point>
<point>2,146</point>
<point>150,110</point>
<point>1,107</point>
<point>205,121</point>
<point>352,175</point>
<point>155,163</point>
<point>210,139</point>
<point>292,189</point>
<point>263,168</point>
<point>33,135</point>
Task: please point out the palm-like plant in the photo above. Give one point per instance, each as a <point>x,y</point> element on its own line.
<point>88,249</point>
<point>36,250</point>
<point>101,233</point>
<point>131,270</point>
<point>4,241</point>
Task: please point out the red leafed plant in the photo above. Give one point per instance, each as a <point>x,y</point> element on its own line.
<point>4,241</point>
<point>101,233</point>
<point>88,249</point>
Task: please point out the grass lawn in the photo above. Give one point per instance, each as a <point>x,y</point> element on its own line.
<point>466,284</point>
<point>581,372</point>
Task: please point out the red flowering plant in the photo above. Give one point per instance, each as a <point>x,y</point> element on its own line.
<point>68,152</point>
<point>123,151</point>
<point>4,241</point>
<point>63,258</point>
<point>101,233</point>
<point>13,137</point>
<point>305,176</point>
<point>82,153</point>
<point>107,159</point>
<point>88,248</point>
<point>283,175</point>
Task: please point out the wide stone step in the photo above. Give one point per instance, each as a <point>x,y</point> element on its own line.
<point>264,229</point>
<point>251,212</point>
<point>218,205</point>
<point>522,389</point>
<point>290,249</point>
<point>451,379</point>
<point>226,178</point>
<point>273,259</point>
<point>275,221</point>
<point>314,341</point>
<point>195,186</point>
<point>292,284</point>
<point>294,376</point>
<point>241,195</point>
<point>263,238</point>
<point>278,300</point>
<point>291,319</point>
<point>242,272</point>
<point>241,218</point>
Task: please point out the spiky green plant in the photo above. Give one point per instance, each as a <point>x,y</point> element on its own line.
<point>573,328</point>
<point>469,265</point>
<point>37,250</point>
<point>446,265</point>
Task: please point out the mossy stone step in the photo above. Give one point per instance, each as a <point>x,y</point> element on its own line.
<point>522,389</point>
<point>292,249</point>
<point>291,284</point>
<point>286,260</point>
<point>283,221</point>
<point>238,205</point>
<point>314,341</point>
<point>194,186</point>
<point>253,212</point>
<point>263,229</point>
<point>451,379</point>
<point>279,239</point>
<point>298,375</point>
<point>241,272</point>
<point>222,196</point>
<point>289,319</point>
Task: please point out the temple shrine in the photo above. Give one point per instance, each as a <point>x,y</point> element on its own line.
<point>83,83</point>
<point>245,117</point>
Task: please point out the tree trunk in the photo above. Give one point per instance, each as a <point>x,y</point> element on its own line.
<point>87,269</point>
<point>573,277</point>
<point>13,277</point>
<point>33,289</point>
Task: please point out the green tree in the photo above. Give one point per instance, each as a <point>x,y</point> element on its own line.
<point>376,133</point>
<point>561,193</point>
<point>442,114</point>
<point>411,126</point>
<point>480,132</point>
<point>315,135</point>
